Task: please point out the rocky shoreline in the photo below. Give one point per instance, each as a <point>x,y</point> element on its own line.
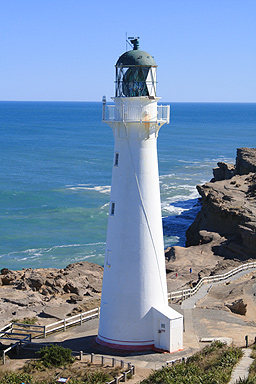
<point>222,237</point>
<point>228,208</point>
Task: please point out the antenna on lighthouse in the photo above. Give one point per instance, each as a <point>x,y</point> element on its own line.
<point>133,42</point>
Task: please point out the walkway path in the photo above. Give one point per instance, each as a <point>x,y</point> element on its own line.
<point>191,301</point>
<point>241,370</point>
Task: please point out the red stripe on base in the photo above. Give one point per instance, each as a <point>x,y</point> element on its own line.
<point>125,347</point>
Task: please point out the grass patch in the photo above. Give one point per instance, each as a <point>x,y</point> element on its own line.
<point>26,320</point>
<point>212,365</point>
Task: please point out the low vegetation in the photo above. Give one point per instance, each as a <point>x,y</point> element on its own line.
<point>54,362</point>
<point>55,356</point>
<point>212,365</point>
<point>25,320</point>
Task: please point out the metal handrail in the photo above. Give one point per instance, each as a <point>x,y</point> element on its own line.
<point>111,114</point>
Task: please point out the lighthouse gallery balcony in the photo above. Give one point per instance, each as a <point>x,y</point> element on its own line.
<point>113,113</point>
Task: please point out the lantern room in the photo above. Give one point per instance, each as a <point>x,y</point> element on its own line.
<point>135,73</point>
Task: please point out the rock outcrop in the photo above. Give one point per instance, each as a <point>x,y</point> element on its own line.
<point>83,279</point>
<point>49,292</point>
<point>229,208</point>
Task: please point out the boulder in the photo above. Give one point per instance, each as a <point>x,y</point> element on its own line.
<point>238,307</point>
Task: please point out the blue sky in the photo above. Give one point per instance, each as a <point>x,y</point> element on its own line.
<point>65,50</point>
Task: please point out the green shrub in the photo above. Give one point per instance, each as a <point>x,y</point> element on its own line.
<point>55,355</point>
<point>15,378</point>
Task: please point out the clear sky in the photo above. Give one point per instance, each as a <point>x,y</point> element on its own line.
<point>65,50</point>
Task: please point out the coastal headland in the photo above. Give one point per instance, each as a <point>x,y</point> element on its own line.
<point>222,237</point>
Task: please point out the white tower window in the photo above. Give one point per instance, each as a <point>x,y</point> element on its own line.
<point>116,159</point>
<point>108,254</point>
<point>112,209</point>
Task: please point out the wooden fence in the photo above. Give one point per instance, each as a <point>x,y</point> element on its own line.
<point>185,293</point>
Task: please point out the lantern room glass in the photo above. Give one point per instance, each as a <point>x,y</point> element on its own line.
<point>135,81</point>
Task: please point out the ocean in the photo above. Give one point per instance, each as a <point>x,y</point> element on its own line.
<point>55,175</point>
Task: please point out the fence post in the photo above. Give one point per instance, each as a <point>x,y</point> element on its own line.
<point>3,357</point>
<point>124,376</point>
<point>122,364</point>
<point>44,331</point>
<point>81,319</point>
<point>98,311</point>
<point>64,325</point>
<point>246,341</point>
<point>81,355</point>
<point>102,360</point>
<point>116,380</point>
<point>113,362</point>
<point>92,358</point>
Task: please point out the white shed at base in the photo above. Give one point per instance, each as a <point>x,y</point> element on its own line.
<point>168,329</point>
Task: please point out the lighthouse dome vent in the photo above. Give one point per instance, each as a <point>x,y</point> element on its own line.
<point>136,57</point>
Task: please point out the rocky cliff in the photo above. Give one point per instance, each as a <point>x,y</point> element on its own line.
<point>229,208</point>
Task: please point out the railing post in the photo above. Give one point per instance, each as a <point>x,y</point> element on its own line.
<point>124,376</point>
<point>116,380</point>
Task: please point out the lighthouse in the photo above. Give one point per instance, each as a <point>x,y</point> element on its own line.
<point>134,312</point>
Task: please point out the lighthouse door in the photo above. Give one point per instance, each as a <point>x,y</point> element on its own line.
<point>162,334</point>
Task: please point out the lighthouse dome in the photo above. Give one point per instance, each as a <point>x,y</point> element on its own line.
<point>135,73</point>
<point>136,57</point>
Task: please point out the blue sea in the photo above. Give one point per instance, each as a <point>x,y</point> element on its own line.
<point>55,175</point>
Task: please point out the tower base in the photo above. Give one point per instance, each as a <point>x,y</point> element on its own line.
<point>166,333</point>
<point>126,347</point>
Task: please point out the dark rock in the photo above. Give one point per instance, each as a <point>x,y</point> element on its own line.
<point>245,161</point>
<point>224,171</point>
<point>7,280</point>
<point>238,307</point>
<point>74,299</point>
<point>70,288</point>
<point>5,271</point>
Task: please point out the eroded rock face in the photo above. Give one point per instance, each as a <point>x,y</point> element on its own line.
<point>79,278</point>
<point>246,161</point>
<point>229,207</point>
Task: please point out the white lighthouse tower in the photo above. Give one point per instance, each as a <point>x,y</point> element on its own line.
<point>134,306</point>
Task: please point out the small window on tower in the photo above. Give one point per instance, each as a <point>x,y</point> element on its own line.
<point>116,159</point>
<point>112,210</point>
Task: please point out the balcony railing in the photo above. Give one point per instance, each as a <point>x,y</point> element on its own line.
<point>112,113</point>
